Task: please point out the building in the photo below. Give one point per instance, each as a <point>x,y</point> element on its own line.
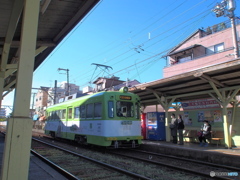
<point>103,83</point>
<point>203,48</point>
<point>112,84</point>
<point>125,84</point>
<point>45,96</point>
<point>61,92</point>
<point>41,99</point>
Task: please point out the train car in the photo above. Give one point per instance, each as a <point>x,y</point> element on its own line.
<point>109,118</point>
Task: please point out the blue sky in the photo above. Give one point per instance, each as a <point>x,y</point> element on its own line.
<point>131,36</point>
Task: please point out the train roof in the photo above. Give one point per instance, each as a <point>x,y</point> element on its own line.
<point>89,96</point>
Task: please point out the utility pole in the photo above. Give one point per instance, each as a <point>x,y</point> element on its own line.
<point>226,8</point>
<point>68,87</point>
<point>33,100</point>
<point>55,92</point>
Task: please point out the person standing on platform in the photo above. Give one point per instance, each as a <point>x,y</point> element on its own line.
<point>174,126</point>
<point>180,128</point>
<point>205,133</point>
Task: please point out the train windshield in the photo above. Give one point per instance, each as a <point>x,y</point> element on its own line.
<point>125,109</point>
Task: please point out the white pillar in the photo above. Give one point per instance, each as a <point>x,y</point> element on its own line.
<point>19,130</point>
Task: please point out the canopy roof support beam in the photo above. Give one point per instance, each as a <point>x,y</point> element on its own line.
<point>14,18</point>
<point>223,97</point>
<point>224,100</point>
<point>19,129</point>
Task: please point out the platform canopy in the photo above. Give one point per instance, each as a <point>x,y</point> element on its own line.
<point>56,19</point>
<point>206,82</point>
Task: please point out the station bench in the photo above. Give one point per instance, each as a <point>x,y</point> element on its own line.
<point>190,134</point>
<point>217,136</point>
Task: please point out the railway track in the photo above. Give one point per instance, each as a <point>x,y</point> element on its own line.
<point>77,166</point>
<point>187,165</point>
<point>148,170</point>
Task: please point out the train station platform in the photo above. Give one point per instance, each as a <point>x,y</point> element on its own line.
<point>38,170</point>
<point>212,153</point>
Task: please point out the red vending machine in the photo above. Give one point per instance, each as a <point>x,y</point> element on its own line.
<point>144,125</point>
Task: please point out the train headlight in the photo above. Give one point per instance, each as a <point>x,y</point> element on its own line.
<point>124,89</point>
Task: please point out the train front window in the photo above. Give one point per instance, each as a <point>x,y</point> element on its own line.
<point>125,109</point>
<point>110,109</point>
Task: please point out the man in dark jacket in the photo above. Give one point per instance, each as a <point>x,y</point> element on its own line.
<point>180,129</point>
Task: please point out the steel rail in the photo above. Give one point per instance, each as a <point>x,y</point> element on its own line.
<point>190,160</point>
<point>171,166</point>
<point>96,161</point>
<point>62,171</point>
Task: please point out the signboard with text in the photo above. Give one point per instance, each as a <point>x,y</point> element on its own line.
<point>200,104</point>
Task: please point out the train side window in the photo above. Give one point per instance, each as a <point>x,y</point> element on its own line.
<point>76,112</point>
<point>69,113</point>
<point>89,109</point>
<point>64,114</point>
<point>54,115</point>
<point>82,111</point>
<point>98,110</point>
<point>110,109</point>
<point>57,115</point>
<point>49,115</point>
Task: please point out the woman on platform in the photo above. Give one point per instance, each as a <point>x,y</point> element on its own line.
<point>205,134</point>
<point>180,128</point>
<point>174,127</point>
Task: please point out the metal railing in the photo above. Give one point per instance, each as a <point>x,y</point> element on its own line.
<point>202,56</point>
<point>218,27</point>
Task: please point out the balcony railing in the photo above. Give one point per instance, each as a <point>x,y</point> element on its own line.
<point>202,56</point>
<point>218,27</point>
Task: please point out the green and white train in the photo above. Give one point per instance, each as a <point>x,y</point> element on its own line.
<point>109,118</point>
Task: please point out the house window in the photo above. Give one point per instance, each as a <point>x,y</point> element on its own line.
<point>219,48</point>
<point>100,86</point>
<point>184,59</point>
<point>215,49</point>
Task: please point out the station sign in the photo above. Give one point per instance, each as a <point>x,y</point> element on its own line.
<point>200,104</point>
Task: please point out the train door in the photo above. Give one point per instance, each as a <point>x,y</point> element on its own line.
<point>69,121</point>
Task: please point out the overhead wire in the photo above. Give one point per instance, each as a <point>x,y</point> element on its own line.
<point>166,14</point>
<point>119,55</point>
<point>152,44</point>
<point>67,37</point>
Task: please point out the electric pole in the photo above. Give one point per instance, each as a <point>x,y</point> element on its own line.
<point>33,101</point>
<point>226,8</point>
<point>68,87</point>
